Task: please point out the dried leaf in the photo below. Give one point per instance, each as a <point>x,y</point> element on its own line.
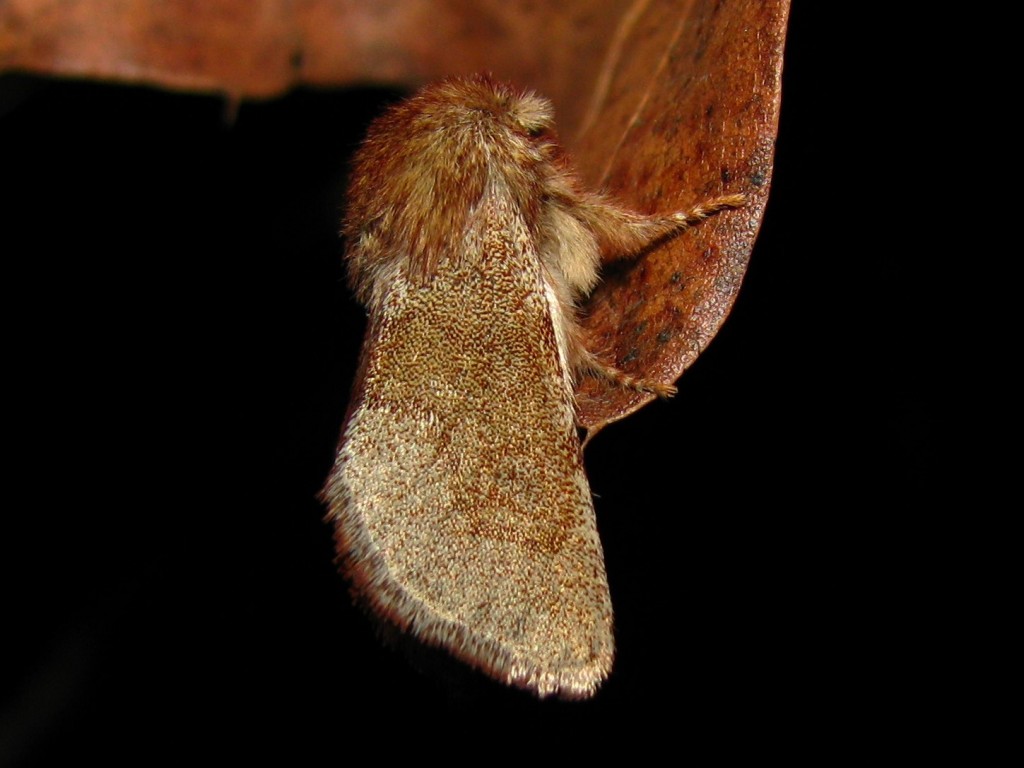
<point>696,120</point>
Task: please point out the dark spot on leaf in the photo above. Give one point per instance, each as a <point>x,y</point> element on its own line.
<point>298,58</point>
<point>676,277</point>
<point>664,336</point>
<point>726,176</point>
<point>757,179</point>
<point>702,47</point>
<point>632,355</point>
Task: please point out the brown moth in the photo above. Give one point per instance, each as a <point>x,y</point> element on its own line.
<point>461,507</point>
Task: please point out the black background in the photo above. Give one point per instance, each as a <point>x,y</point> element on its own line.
<point>180,346</point>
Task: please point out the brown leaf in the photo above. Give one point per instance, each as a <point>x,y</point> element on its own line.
<point>260,48</point>
<point>663,103</point>
<point>688,111</point>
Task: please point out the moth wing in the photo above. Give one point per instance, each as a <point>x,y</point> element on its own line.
<point>462,511</point>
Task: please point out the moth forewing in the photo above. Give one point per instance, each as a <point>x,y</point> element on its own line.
<point>463,511</point>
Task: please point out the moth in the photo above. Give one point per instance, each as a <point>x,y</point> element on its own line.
<point>461,508</point>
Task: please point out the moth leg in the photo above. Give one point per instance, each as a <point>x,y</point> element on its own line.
<point>589,364</point>
<point>624,233</point>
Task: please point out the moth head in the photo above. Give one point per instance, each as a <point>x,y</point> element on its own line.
<point>497,113</point>
<point>426,164</point>
<point>531,114</point>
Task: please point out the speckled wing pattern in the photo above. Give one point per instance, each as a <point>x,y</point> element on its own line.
<point>462,511</point>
